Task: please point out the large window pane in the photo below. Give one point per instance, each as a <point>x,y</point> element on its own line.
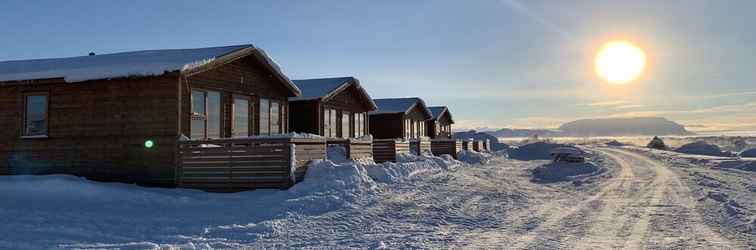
<point>264,116</point>
<point>333,123</point>
<point>345,124</point>
<point>275,121</point>
<point>36,115</point>
<point>326,122</point>
<point>197,130</point>
<point>213,114</point>
<point>241,118</point>
<point>252,118</point>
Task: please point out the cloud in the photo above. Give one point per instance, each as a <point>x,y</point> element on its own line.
<point>605,103</point>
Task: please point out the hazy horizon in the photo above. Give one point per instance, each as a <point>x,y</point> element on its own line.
<point>496,64</point>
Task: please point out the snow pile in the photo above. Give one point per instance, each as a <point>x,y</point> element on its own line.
<point>614,143</point>
<point>472,157</point>
<point>555,172</point>
<point>748,153</point>
<point>409,165</point>
<point>741,165</point>
<point>337,154</point>
<point>702,148</point>
<point>534,151</point>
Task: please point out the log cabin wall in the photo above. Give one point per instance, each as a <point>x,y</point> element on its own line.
<point>416,114</point>
<point>350,100</point>
<point>305,117</point>
<point>387,126</point>
<point>95,129</point>
<point>243,77</point>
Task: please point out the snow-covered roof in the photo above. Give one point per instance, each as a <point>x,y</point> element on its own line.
<point>326,88</point>
<point>398,105</point>
<point>128,64</point>
<point>437,111</point>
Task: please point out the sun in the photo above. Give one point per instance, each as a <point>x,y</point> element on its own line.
<point>620,62</point>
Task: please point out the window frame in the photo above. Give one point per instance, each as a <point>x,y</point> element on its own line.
<point>24,117</point>
<point>250,114</point>
<point>206,109</point>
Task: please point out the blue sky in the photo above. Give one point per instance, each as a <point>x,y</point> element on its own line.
<point>504,63</point>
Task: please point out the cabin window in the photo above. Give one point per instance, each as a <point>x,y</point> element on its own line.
<point>213,114</point>
<point>35,115</point>
<point>206,114</point>
<point>357,125</point>
<point>275,117</point>
<point>407,128</point>
<point>198,115</point>
<point>345,124</point>
<point>329,121</point>
<point>420,129</point>
<point>241,117</point>
<point>264,116</point>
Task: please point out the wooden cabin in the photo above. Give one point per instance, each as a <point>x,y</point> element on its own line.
<point>401,118</point>
<point>336,108</point>
<point>331,107</point>
<point>440,124</point>
<point>121,117</point>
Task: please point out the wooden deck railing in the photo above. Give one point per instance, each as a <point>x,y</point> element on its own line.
<point>387,149</point>
<point>355,148</point>
<point>246,163</point>
<point>446,146</point>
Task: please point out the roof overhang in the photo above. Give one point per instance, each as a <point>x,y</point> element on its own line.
<point>258,54</point>
<point>344,86</point>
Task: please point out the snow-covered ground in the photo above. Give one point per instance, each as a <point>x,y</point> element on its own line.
<point>628,197</point>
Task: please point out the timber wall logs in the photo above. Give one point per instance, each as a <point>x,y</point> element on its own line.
<point>387,149</point>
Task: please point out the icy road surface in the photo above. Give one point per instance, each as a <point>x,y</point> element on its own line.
<point>634,202</point>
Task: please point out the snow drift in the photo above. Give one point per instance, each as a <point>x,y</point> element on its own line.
<point>555,172</point>
<point>534,151</point>
<point>702,148</point>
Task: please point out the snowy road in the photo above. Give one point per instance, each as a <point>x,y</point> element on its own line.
<point>645,206</point>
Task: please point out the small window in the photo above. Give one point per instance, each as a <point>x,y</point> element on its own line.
<point>241,117</point>
<point>264,116</point>
<point>35,117</point>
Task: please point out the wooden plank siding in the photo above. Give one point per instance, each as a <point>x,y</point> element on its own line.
<point>229,165</point>
<point>355,149</point>
<point>446,147</point>
<point>387,149</point>
<point>95,129</point>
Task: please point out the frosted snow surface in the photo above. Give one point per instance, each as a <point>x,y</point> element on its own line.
<point>106,66</point>
<point>317,88</point>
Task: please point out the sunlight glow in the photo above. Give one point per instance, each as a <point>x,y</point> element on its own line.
<point>620,62</point>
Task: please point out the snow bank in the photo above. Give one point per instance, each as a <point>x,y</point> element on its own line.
<point>741,165</point>
<point>472,157</point>
<point>534,151</point>
<point>748,153</point>
<point>702,148</point>
<point>555,172</point>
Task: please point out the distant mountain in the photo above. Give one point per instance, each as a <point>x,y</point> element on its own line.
<point>508,132</point>
<point>622,127</point>
<point>644,126</point>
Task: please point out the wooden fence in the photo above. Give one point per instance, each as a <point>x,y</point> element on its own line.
<point>228,165</point>
<point>355,149</point>
<point>446,147</point>
<point>386,149</point>
<point>418,146</point>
